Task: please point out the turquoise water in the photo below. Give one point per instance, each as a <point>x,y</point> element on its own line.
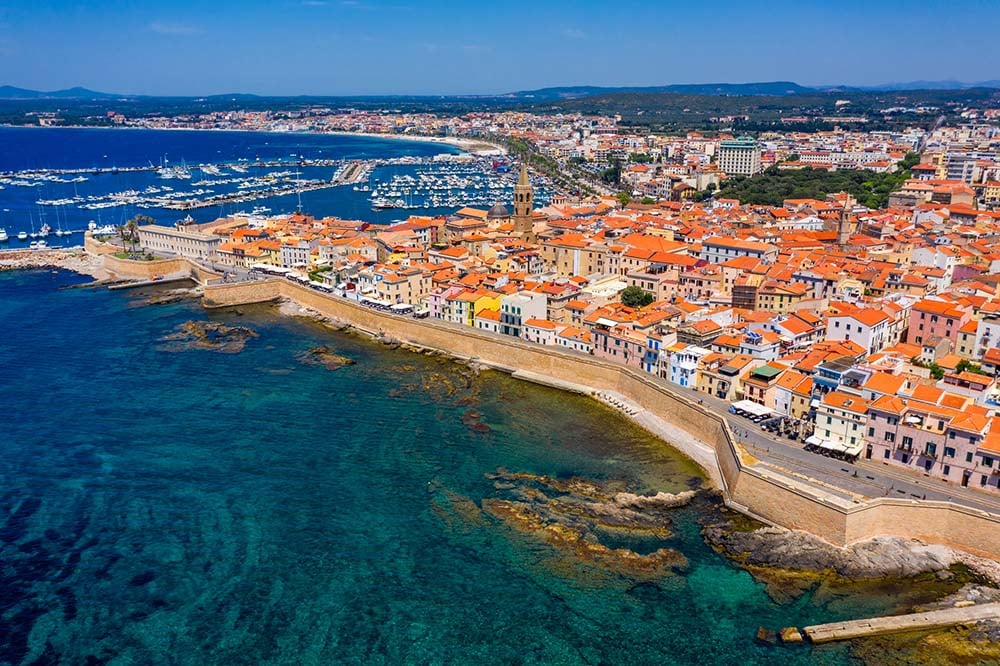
<point>195,507</point>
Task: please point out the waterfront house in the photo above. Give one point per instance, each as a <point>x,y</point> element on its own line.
<point>684,363</point>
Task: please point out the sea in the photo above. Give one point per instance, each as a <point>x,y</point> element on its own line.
<point>93,149</point>
<point>164,503</point>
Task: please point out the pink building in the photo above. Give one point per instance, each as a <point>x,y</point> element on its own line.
<point>936,319</point>
<point>950,438</point>
<point>620,344</point>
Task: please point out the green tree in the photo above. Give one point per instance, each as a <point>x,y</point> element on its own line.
<point>130,232</point>
<point>968,366</point>
<point>635,297</point>
<point>624,198</point>
<point>648,200</point>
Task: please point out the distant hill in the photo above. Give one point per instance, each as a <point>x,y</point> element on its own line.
<point>774,88</point>
<point>10,92</point>
<point>915,85</point>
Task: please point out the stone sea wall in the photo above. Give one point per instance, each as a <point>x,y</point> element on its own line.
<point>758,491</point>
<point>143,270</point>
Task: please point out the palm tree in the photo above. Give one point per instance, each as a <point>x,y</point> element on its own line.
<point>130,231</point>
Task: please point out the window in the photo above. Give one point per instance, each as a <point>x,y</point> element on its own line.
<point>885,454</point>
<point>968,457</point>
<point>947,470</point>
<point>930,449</point>
<point>871,432</point>
<point>829,420</point>
<point>988,461</point>
<point>949,452</point>
<point>907,441</point>
<point>891,437</point>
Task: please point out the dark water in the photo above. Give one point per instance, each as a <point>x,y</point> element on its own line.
<point>195,507</point>
<point>58,148</point>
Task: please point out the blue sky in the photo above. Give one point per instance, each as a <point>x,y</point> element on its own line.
<point>339,47</point>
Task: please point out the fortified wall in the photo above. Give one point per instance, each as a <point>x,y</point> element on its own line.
<point>144,270</point>
<point>750,488</point>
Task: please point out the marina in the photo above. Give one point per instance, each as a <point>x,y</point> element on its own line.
<point>67,198</point>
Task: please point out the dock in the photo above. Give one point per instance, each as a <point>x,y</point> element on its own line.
<point>894,624</point>
<point>135,284</point>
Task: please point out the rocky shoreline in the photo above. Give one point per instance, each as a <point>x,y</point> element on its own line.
<point>70,259</point>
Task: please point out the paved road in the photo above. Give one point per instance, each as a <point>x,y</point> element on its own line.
<point>865,477</point>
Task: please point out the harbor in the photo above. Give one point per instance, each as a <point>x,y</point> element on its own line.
<point>37,205</point>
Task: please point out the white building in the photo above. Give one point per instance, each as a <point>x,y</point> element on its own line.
<point>868,328</point>
<point>170,240</point>
<point>740,157</point>
<point>519,307</point>
<point>684,365</point>
<point>541,331</point>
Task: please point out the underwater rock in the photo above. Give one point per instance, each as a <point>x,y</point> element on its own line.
<point>471,420</point>
<point>209,335</point>
<point>584,546</point>
<point>766,636</point>
<point>323,355</point>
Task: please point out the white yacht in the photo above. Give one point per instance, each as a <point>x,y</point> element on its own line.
<point>3,235</point>
<point>22,235</point>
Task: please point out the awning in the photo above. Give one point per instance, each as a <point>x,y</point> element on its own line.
<point>814,440</point>
<point>752,407</point>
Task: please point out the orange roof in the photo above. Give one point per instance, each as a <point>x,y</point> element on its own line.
<point>845,401</point>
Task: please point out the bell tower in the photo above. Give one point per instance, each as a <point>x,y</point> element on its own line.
<point>523,202</point>
<point>845,224</point>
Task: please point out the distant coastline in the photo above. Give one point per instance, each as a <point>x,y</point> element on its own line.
<point>472,146</point>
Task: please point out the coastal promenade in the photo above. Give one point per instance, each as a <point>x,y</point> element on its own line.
<point>747,483</point>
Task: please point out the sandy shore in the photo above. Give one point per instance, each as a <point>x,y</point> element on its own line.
<point>474,146</point>
<point>70,259</point>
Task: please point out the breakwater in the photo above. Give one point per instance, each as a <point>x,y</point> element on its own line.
<point>746,486</point>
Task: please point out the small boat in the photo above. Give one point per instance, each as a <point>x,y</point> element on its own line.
<point>22,235</point>
<point>3,235</point>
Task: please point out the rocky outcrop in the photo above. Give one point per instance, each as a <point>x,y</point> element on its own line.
<point>210,335</point>
<point>573,515</point>
<point>323,355</point>
<point>775,547</point>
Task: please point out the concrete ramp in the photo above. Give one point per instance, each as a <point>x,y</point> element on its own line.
<point>894,624</point>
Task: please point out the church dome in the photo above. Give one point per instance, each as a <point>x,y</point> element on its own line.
<point>497,211</point>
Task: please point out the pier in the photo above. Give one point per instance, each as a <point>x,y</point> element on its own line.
<point>894,624</point>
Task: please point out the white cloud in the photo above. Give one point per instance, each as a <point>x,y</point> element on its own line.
<point>175,29</point>
<point>573,33</point>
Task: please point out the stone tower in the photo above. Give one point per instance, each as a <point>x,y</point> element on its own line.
<point>844,224</point>
<point>523,201</point>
